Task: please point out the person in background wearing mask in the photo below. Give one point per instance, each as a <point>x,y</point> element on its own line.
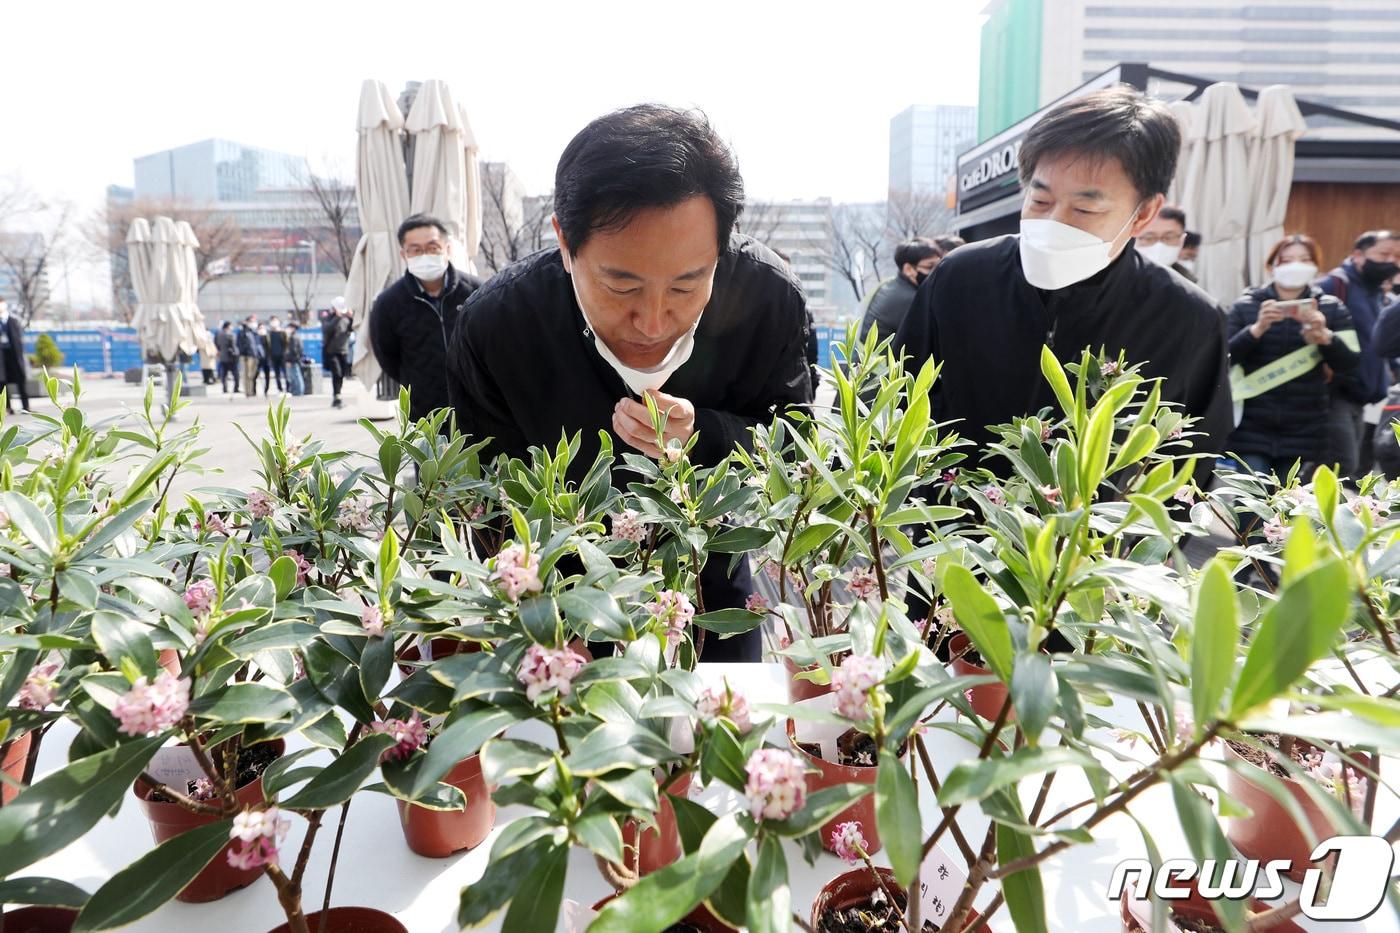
<point>250,354</point>
<point>915,261</point>
<point>649,292</point>
<point>949,242</point>
<point>1094,171</point>
<point>276,351</point>
<point>295,351</point>
<point>1282,355</point>
<point>335,347</point>
<point>14,366</point>
<point>1190,249</point>
<point>1358,282</point>
<point>1164,239</point>
<point>227,345</point>
<point>412,320</point>
<point>265,360</point>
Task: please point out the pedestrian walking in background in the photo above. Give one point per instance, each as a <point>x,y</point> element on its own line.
<point>1164,240</point>
<point>226,342</point>
<point>914,261</point>
<point>14,367</point>
<point>1288,339</point>
<point>294,354</point>
<point>335,347</point>
<point>265,360</point>
<point>276,350</point>
<point>250,354</point>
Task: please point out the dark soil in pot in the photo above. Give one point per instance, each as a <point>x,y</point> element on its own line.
<point>855,902</point>
<point>38,920</point>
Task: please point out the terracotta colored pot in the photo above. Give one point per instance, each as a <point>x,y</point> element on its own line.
<point>439,648</point>
<point>856,886</point>
<point>350,920</point>
<point>38,920</point>
<point>1269,832</point>
<point>987,699</point>
<point>15,757</point>
<point>799,690</point>
<point>660,846</point>
<point>169,820</point>
<point>699,917</point>
<point>169,659</point>
<point>830,774</point>
<point>1197,908</point>
<point>439,833</point>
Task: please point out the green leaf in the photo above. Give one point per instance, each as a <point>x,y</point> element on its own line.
<point>540,618</point>
<point>121,637</point>
<point>283,574</point>
<point>599,834</point>
<point>459,741</point>
<point>739,540</point>
<point>769,898</point>
<point>1207,841</point>
<point>729,621</point>
<point>63,806</point>
<point>1093,450</point>
<point>895,805</point>
<point>617,745</point>
<point>1295,632</point>
<point>1024,892</point>
<point>35,527</point>
<point>1214,643</point>
<point>1033,693</point>
<point>499,882</point>
<point>1326,492</point>
<point>635,789</point>
<point>981,618</point>
<point>535,905</point>
<point>342,777</point>
<point>245,703</point>
<point>820,807</point>
<point>506,758</point>
<point>153,879</point>
<point>1055,375</point>
<point>975,780</point>
<point>43,892</point>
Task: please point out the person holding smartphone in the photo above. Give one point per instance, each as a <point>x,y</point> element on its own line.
<point>1287,341</point>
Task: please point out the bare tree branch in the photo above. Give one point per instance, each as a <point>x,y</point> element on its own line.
<point>335,198</point>
<point>288,258</point>
<point>916,213</point>
<point>762,220</point>
<point>28,256</point>
<point>513,225</point>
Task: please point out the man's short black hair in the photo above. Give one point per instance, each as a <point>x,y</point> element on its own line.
<point>642,157</point>
<point>1371,237</point>
<point>915,251</point>
<point>1119,123</point>
<point>1173,213</point>
<point>1192,240</point>
<point>949,242</point>
<point>414,221</point>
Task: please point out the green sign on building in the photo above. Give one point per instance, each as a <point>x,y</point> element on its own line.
<point>1009,83</point>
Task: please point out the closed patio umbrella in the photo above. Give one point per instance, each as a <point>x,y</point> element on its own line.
<point>1219,187</point>
<point>440,161</point>
<point>1271,151</point>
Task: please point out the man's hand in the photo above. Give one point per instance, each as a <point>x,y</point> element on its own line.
<point>632,422</point>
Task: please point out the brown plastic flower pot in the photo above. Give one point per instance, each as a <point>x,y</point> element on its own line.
<point>169,659</point>
<point>830,774</point>
<point>38,920</point>
<point>15,757</point>
<point>1198,909</point>
<point>659,846</point>
<point>440,833</point>
<point>799,690</point>
<point>349,920</point>
<point>987,699</point>
<point>699,917</point>
<point>1269,832</point>
<point>856,886</point>
<point>169,820</point>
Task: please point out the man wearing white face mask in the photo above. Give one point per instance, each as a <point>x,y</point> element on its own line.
<point>412,320</point>
<point>650,291</point>
<point>1164,239</point>
<point>1094,170</point>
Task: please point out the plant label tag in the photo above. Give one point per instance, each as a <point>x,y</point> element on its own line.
<point>822,733</point>
<point>577,917</point>
<point>940,884</point>
<point>175,767</point>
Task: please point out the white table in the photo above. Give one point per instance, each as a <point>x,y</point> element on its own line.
<point>376,868</point>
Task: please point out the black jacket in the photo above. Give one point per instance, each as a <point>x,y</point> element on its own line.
<point>277,344</point>
<point>888,306</point>
<point>1368,382</point>
<point>523,370</point>
<point>1290,421</point>
<point>227,343</point>
<point>979,316</point>
<point>14,365</point>
<point>335,335</point>
<point>295,351</point>
<point>249,343</point>
<point>409,332</point>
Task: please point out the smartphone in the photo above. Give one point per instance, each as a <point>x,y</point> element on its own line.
<point>1296,308</point>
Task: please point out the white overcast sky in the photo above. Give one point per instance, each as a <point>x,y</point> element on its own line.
<point>803,91</point>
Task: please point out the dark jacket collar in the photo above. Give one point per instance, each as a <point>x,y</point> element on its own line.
<point>449,283</point>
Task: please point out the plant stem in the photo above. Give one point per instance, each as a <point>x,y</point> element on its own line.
<point>933,781</point>
<point>335,857</point>
<point>951,813</point>
<point>875,557</point>
<point>183,800</point>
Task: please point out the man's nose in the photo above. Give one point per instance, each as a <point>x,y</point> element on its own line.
<point>650,317</point>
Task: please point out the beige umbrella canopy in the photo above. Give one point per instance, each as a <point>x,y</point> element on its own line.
<point>440,175</point>
<point>471,234</point>
<point>1187,164</point>
<point>168,321</point>
<point>381,188</point>
<point>1219,188</point>
<point>1279,125</point>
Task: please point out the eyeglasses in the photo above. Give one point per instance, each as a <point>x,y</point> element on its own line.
<point>432,249</point>
<point>1171,239</point>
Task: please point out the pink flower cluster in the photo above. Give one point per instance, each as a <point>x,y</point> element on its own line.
<point>260,504</point>
<point>755,602</point>
<point>728,703</point>
<point>151,708</point>
<point>303,565</point>
<point>39,687</point>
<point>517,572</point>
<point>627,526</point>
<point>1051,494</point>
<point>852,682</point>
<point>202,789</point>
<point>674,611</point>
<point>372,620</point>
<point>211,522</point>
<point>1329,771</point>
<point>355,514</point>
<point>1185,494</point>
<point>1368,506</point>
<point>994,494</point>
<point>545,669</point>
<point>777,784</point>
<point>409,735</point>
<point>848,842</point>
<point>257,833</point>
<point>199,596</point>
<point>1275,532</point>
<point>864,583</point>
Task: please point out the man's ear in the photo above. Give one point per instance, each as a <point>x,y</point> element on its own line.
<point>1146,214</point>
<point>563,245</point>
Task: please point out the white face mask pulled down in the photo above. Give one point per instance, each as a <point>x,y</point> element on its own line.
<point>639,380</point>
<point>1056,255</point>
<point>1163,254</point>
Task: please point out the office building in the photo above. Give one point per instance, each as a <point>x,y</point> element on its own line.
<point>924,146</point>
